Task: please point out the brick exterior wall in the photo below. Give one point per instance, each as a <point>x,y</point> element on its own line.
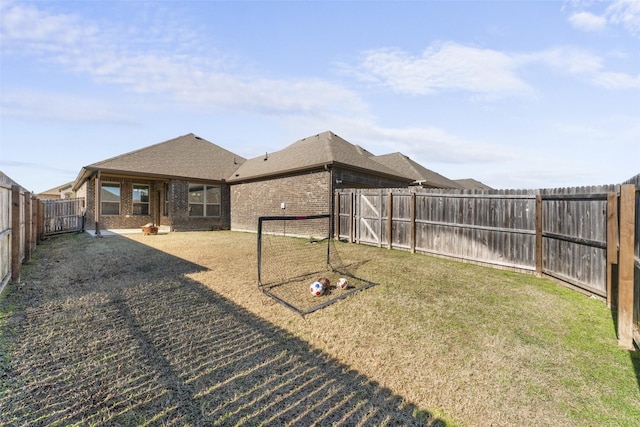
<point>309,193</point>
<point>178,213</point>
<point>304,194</point>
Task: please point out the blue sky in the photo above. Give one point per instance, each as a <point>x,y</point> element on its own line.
<point>516,94</point>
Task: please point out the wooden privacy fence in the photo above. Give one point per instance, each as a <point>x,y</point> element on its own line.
<point>574,227</point>
<point>62,216</point>
<point>18,228</point>
<point>495,228</point>
<point>629,264</point>
<point>581,236</point>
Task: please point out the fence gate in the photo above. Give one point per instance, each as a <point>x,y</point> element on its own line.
<point>370,207</point>
<point>63,216</point>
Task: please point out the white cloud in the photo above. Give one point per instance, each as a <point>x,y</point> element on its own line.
<point>565,59</point>
<point>587,21</point>
<point>164,68</point>
<point>624,13</point>
<point>448,66</point>
<point>490,73</point>
<point>436,145</point>
<point>31,104</point>
<point>581,63</point>
<point>425,144</point>
<point>611,80</point>
<point>24,27</point>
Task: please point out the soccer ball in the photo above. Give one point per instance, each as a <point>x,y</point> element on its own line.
<point>316,289</point>
<point>343,283</point>
<point>324,282</point>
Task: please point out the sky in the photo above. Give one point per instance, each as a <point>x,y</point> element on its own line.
<point>515,94</point>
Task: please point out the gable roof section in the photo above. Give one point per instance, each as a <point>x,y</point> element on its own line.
<point>187,156</point>
<point>56,191</point>
<point>420,174</point>
<point>323,149</point>
<point>472,184</point>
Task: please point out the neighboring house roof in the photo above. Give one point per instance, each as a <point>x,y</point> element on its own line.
<point>420,174</point>
<point>323,149</point>
<point>472,184</point>
<point>187,156</point>
<point>55,191</point>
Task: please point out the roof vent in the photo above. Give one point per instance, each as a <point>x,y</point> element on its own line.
<point>266,157</point>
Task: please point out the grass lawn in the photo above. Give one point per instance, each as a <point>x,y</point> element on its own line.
<point>172,330</point>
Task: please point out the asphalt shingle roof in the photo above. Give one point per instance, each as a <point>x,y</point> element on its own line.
<point>187,156</point>
<point>325,148</point>
<point>472,184</point>
<point>429,178</point>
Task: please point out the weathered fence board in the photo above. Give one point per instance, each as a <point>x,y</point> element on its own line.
<point>5,234</point>
<point>492,228</point>
<point>18,228</point>
<point>635,288</point>
<point>63,216</point>
<point>574,233</point>
<point>501,228</point>
<point>371,208</point>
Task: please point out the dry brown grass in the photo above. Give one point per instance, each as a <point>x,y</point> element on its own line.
<point>111,331</point>
<point>172,329</point>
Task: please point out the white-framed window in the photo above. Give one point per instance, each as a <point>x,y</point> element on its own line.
<point>204,200</point>
<point>110,198</point>
<point>140,196</point>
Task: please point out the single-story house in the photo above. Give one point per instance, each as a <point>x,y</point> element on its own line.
<point>301,179</point>
<point>180,183</point>
<point>189,183</point>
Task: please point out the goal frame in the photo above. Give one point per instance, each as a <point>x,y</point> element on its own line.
<point>365,283</point>
<point>285,218</point>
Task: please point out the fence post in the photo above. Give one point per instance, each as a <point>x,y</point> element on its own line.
<point>379,208</point>
<point>27,226</point>
<point>389,220</point>
<point>352,220</point>
<point>413,222</point>
<point>15,233</point>
<point>539,251</point>
<point>625,266</point>
<point>612,245</point>
<point>34,222</point>
<point>336,216</point>
<point>40,219</point>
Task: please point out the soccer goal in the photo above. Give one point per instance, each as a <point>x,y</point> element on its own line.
<point>295,252</point>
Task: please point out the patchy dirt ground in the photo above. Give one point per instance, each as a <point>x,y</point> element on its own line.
<point>170,332</point>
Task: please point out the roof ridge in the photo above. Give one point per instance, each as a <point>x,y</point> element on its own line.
<point>144,149</point>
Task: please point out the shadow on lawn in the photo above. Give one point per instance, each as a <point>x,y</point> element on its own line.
<point>129,340</point>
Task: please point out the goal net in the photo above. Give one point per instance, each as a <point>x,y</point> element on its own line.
<point>296,251</point>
